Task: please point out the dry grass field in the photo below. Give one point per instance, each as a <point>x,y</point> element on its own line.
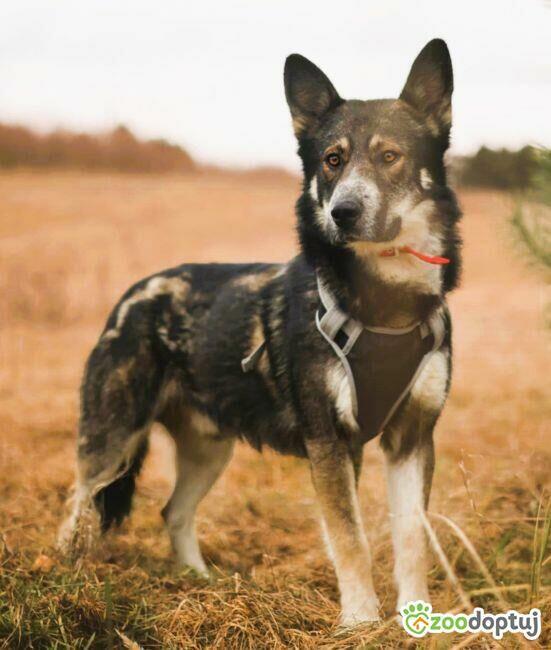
<point>70,244</point>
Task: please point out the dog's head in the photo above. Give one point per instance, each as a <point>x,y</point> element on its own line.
<point>372,167</point>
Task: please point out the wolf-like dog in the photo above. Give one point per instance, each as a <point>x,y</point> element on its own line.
<point>349,340</point>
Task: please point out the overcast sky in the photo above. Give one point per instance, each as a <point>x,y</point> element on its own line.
<point>208,75</point>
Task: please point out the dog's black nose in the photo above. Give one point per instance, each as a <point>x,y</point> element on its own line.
<point>345,213</point>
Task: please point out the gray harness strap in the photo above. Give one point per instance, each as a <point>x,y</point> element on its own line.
<point>250,361</point>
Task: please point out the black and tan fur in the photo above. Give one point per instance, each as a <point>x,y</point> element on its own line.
<point>171,350</point>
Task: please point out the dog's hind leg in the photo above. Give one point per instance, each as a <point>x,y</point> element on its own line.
<point>201,457</point>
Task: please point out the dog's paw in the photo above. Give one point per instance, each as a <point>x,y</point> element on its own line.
<point>410,597</point>
<point>195,572</point>
<point>355,625</point>
<point>349,622</point>
<point>366,616</point>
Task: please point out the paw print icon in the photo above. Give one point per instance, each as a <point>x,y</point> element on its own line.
<point>416,617</point>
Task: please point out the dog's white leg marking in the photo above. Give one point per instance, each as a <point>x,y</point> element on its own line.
<point>200,462</point>
<point>406,481</point>
<point>327,540</point>
<point>333,476</point>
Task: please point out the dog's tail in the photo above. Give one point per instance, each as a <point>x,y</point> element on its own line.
<point>114,501</point>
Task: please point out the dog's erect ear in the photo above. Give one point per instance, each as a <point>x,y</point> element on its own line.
<point>309,93</point>
<point>429,85</point>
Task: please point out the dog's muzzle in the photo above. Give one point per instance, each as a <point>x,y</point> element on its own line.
<point>385,232</point>
<point>350,219</point>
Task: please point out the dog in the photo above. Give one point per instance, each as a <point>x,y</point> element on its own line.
<point>349,340</point>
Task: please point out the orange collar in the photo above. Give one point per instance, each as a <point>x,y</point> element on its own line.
<point>430,259</point>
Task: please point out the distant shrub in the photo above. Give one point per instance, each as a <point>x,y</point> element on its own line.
<point>532,217</point>
<point>533,228</point>
<point>500,169</point>
<point>542,176</point>
<point>117,150</point>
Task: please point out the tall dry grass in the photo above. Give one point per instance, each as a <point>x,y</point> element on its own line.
<point>70,245</point>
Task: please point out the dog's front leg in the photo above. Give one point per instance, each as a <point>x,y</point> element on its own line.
<point>409,468</point>
<point>333,476</point>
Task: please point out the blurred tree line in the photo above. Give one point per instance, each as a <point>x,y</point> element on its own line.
<point>116,150</point>
<point>498,168</point>
<point>526,172</point>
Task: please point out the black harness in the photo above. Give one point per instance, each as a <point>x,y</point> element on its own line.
<point>381,364</point>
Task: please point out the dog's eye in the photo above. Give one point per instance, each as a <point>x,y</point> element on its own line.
<point>333,160</point>
<point>390,156</point>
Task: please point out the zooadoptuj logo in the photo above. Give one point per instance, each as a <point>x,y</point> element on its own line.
<point>418,620</point>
